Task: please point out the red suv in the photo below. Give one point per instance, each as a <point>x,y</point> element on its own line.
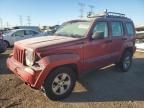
<point>55,62</point>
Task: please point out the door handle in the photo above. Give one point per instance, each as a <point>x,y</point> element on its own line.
<point>124,38</point>
<point>108,41</point>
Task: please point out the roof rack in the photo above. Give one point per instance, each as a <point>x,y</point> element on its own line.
<point>115,14</point>
<point>106,14</point>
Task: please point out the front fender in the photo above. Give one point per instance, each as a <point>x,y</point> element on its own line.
<point>53,61</point>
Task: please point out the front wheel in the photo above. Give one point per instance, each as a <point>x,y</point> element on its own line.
<point>6,44</point>
<point>126,61</point>
<point>60,83</point>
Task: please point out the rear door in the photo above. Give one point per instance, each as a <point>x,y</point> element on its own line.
<point>118,37</point>
<point>97,52</point>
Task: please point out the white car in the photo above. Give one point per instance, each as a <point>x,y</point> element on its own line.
<point>140,45</point>
<point>140,41</point>
<point>18,34</point>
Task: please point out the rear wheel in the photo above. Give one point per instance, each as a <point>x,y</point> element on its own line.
<point>126,61</point>
<point>7,44</point>
<point>60,83</point>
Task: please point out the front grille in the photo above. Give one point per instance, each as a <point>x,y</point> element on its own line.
<point>19,55</point>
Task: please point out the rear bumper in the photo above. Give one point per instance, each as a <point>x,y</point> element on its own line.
<point>24,72</point>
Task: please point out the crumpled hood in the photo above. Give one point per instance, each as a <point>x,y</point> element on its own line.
<point>44,41</point>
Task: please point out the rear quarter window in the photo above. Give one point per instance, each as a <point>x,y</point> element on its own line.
<point>130,29</point>
<point>34,33</point>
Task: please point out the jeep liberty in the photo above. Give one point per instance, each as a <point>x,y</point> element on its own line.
<point>55,62</point>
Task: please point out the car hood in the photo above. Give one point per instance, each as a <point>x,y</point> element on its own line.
<point>5,35</point>
<point>43,41</point>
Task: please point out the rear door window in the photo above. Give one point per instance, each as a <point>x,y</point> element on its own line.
<point>19,33</point>
<point>27,32</point>
<point>117,29</point>
<point>34,33</point>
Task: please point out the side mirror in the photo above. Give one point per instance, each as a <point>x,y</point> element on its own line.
<point>98,35</point>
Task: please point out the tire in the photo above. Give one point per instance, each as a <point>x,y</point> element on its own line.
<point>60,83</point>
<point>7,44</point>
<point>125,62</point>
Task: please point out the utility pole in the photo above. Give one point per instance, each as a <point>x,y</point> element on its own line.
<point>28,20</point>
<point>1,22</point>
<point>91,8</point>
<point>7,24</point>
<point>82,5</point>
<point>21,20</point>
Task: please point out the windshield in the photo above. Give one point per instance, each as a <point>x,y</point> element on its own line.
<point>74,29</point>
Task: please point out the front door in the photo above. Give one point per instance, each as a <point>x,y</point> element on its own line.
<point>118,39</point>
<point>97,51</point>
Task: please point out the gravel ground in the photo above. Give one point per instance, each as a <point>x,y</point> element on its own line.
<point>106,88</point>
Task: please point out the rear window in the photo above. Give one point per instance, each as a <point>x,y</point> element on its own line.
<point>130,29</point>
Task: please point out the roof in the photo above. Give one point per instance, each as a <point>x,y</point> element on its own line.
<point>14,30</point>
<point>79,20</point>
<point>107,14</point>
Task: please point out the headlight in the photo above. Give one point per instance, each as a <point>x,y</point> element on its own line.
<point>29,56</point>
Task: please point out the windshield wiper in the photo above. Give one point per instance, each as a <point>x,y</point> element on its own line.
<point>76,35</point>
<point>61,34</point>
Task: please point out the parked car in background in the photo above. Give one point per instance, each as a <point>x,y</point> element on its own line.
<point>140,41</point>
<point>55,62</point>
<point>2,44</point>
<point>50,30</point>
<point>35,28</point>
<point>140,35</point>
<point>18,34</point>
<point>140,46</point>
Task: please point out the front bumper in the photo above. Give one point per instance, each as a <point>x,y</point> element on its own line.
<point>27,74</point>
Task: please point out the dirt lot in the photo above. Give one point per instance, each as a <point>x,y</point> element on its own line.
<point>106,88</point>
